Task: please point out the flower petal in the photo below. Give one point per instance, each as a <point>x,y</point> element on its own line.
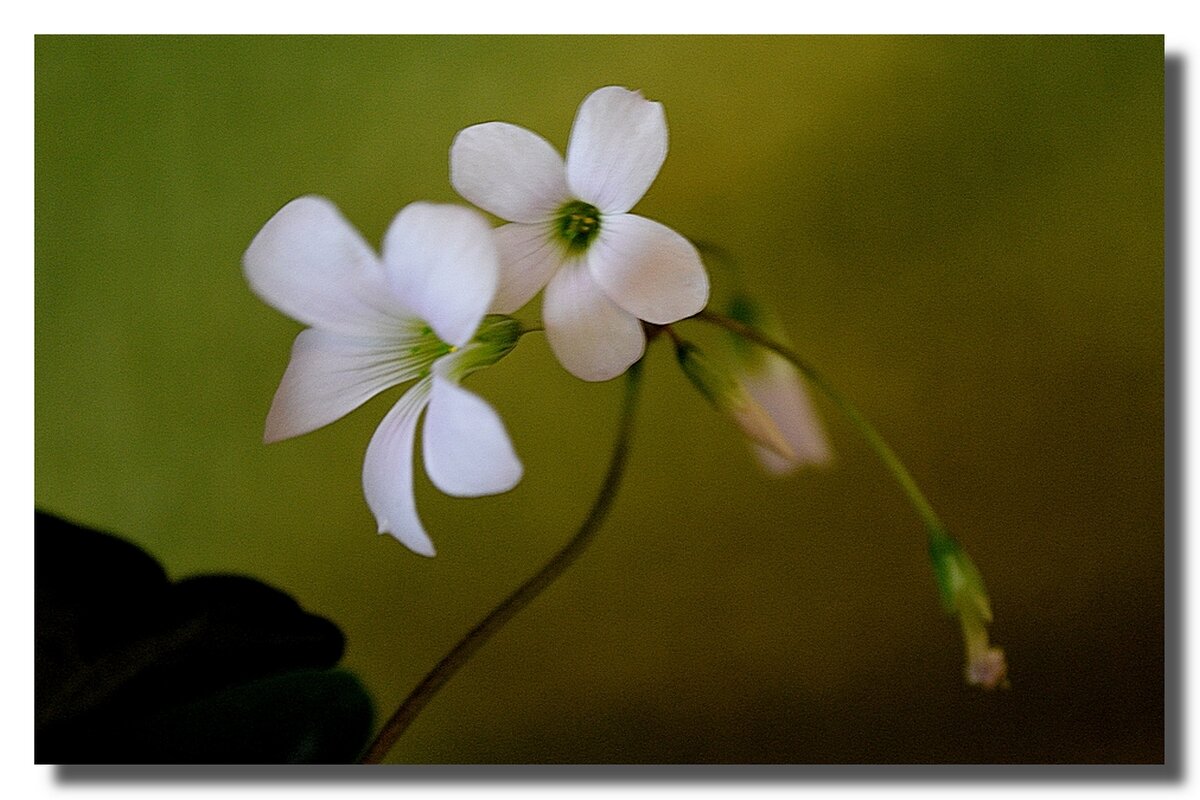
<point>648,269</point>
<point>593,337</point>
<point>388,472</point>
<point>528,259</point>
<point>618,144</point>
<point>509,171</point>
<point>777,388</point>
<point>311,264</point>
<point>441,262</point>
<point>330,375</point>
<point>466,448</point>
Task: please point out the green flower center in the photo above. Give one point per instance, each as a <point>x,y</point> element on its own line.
<point>423,349</point>
<point>577,224</point>
<point>496,337</point>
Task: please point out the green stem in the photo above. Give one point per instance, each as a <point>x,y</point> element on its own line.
<point>891,461</point>
<point>524,594</point>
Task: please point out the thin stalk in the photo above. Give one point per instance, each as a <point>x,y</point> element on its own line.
<point>525,593</point>
<point>891,461</point>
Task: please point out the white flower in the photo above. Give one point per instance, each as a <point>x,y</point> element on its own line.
<point>379,322</point>
<point>604,269</point>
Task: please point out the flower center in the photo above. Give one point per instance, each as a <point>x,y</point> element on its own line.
<point>423,348</point>
<point>578,223</point>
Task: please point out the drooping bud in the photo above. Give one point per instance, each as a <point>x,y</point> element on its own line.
<point>963,594</point>
<point>776,387</point>
<point>731,398</point>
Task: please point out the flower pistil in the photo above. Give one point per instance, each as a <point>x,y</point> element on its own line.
<point>577,225</point>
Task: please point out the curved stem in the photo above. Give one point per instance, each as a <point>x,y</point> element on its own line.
<point>916,497</point>
<point>524,594</point>
<point>959,582</point>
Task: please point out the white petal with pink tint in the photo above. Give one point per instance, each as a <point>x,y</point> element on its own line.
<point>466,448</point>
<point>508,171</point>
<point>648,269</point>
<point>388,471</point>
<point>330,375</point>
<point>441,262</point>
<point>528,259</point>
<point>593,337</point>
<point>312,265</point>
<point>618,144</point>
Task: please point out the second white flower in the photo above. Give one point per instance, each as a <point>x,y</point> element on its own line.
<point>569,229</point>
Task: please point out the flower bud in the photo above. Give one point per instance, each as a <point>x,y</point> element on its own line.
<point>776,388</point>
<point>499,333</point>
<point>730,397</point>
<point>963,594</point>
<point>497,336</point>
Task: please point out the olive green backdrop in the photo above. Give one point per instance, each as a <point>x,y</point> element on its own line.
<point>966,233</point>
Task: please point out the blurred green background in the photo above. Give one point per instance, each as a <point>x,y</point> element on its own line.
<point>966,233</point>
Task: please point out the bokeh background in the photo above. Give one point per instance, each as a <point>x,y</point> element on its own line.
<point>966,233</point>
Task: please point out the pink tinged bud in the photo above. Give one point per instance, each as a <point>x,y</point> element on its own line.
<point>758,425</point>
<point>777,388</point>
<point>778,391</point>
<point>729,396</point>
